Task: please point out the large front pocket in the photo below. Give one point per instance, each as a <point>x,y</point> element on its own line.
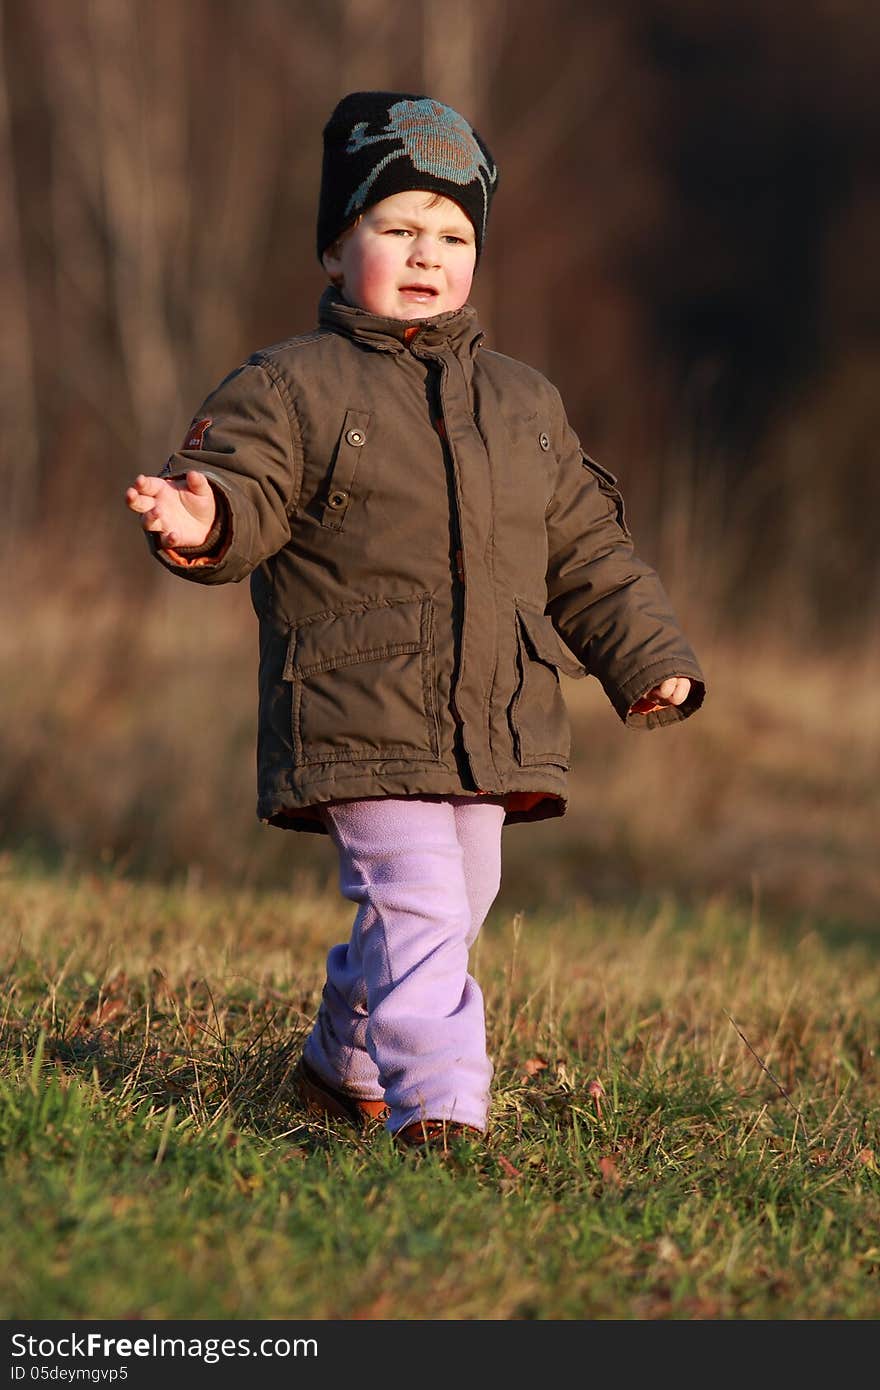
<point>538,715</point>
<point>363,683</point>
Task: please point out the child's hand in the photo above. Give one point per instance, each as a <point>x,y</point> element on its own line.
<point>180,511</point>
<point>673,691</point>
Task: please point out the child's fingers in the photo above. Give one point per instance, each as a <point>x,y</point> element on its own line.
<point>675,690</point>
<point>150,485</point>
<point>137,502</point>
<point>151,518</point>
<point>141,495</point>
<point>672,691</point>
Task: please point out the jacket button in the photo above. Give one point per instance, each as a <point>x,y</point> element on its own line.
<point>355,437</point>
<point>544,441</point>
<point>337,499</point>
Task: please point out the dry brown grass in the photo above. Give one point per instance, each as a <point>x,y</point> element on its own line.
<point>771,791</point>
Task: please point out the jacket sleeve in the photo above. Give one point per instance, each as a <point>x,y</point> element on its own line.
<point>609,606</point>
<point>246,443</point>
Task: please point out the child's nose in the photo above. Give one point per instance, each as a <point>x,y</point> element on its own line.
<point>425,252</point>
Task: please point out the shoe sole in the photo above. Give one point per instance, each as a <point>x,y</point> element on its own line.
<point>435,1134</point>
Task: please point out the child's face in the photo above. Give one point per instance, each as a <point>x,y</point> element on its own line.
<point>411,256</point>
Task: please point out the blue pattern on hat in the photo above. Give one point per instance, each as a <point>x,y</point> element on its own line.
<point>435,139</point>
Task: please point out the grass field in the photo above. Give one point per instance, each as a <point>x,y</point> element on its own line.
<point>685,1120</point>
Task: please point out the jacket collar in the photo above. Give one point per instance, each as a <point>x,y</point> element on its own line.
<point>457,331</point>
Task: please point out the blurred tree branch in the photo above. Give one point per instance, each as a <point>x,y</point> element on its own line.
<point>18,410</point>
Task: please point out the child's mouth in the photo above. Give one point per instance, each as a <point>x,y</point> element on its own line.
<point>419,294</point>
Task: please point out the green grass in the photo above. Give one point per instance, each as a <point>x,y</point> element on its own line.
<point>684,1126</point>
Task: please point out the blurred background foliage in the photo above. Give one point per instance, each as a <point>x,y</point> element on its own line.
<point>684,240</point>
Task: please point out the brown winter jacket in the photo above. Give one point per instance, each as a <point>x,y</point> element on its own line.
<point>428,549</point>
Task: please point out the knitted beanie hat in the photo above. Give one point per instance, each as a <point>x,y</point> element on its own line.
<point>380,143</point>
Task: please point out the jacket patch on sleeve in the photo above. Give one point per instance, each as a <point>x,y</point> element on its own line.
<point>196,433</point>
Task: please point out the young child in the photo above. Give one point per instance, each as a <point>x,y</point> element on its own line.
<point>428,549</point>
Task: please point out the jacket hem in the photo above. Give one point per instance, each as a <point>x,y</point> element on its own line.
<point>525,799</point>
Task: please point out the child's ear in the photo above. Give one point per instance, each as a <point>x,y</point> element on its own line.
<point>332,264</point>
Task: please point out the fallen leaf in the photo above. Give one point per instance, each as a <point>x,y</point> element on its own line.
<point>533,1065</point>
<point>108,1010</point>
<point>608,1169</point>
<point>508,1167</point>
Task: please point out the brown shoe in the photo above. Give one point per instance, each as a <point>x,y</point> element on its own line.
<point>320,1098</point>
<point>434,1134</point>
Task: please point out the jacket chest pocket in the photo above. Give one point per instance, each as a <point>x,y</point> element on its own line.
<point>538,716</point>
<point>531,449</point>
<point>346,458</point>
<point>363,684</point>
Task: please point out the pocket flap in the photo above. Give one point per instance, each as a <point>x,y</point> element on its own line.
<point>546,643</point>
<point>608,485</point>
<point>365,633</point>
<point>603,474</point>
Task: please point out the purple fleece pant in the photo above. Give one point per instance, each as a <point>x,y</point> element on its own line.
<point>400,1016</point>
